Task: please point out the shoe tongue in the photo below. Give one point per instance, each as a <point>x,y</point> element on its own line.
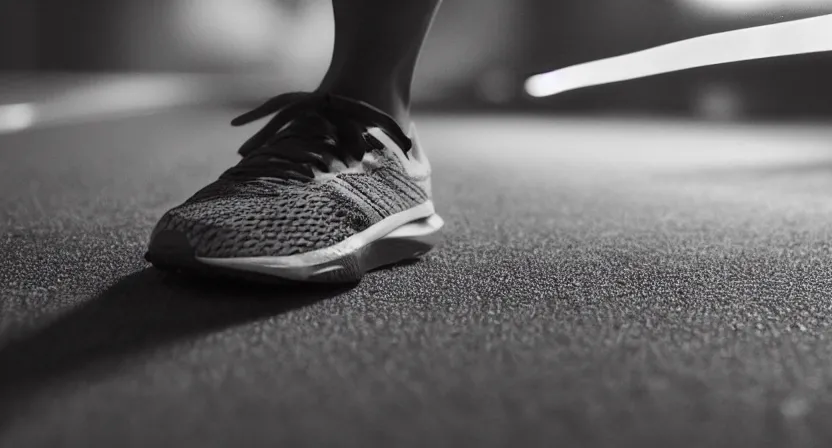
<point>309,125</point>
<point>318,126</point>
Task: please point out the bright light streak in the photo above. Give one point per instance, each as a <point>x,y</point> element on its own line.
<point>16,117</point>
<point>741,6</point>
<point>781,39</point>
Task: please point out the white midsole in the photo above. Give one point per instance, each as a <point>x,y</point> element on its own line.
<point>327,254</point>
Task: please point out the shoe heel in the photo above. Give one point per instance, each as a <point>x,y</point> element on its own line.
<point>410,241</point>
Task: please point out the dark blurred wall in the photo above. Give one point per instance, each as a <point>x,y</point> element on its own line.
<point>77,35</point>
<point>473,51</point>
<point>115,35</point>
<point>477,56</point>
<point>58,35</point>
<point>18,34</point>
<point>473,46</point>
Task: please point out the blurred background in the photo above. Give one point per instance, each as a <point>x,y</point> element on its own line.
<point>105,56</point>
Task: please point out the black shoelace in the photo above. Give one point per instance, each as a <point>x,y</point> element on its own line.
<point>307,131</point>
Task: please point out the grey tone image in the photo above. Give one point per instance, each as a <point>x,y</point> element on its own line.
<point>420,223</point>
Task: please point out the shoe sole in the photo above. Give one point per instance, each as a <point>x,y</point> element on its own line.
<point>404,236</point>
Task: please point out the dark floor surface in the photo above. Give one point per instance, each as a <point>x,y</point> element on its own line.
<point>603,283</point>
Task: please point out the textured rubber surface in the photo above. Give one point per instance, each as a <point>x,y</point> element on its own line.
<point>600,284</point>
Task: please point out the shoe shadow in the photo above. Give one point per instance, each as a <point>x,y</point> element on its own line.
<point>143,311</point>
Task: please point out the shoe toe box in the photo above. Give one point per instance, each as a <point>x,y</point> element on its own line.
<point>252,227</point>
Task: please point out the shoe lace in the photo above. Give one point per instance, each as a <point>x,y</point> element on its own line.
<point>310,130</point>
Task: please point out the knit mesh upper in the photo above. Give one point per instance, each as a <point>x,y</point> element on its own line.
<point>280,218</point>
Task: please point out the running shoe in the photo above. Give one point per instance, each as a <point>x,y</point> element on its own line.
<point>328,189</point>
